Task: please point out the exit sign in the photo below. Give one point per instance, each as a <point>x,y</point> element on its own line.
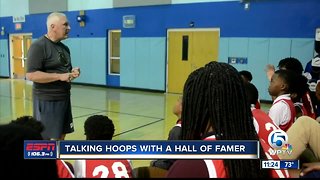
<point>17,26</point>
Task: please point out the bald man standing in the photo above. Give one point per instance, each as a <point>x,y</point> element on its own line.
<point>49,67</point>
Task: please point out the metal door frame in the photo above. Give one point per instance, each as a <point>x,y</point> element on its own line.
<point>11,50</point>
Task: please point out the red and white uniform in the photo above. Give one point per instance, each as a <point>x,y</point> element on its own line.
<point>257,105</point>
<point>198,168</point>
<point>105,168</point>
<point>302,108</point>
<point>264,126</point>
<point>215,167</point>
<point>307,105</point>
<point>64,170</point>
<point>282,112</point>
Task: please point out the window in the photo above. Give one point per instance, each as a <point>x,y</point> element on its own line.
<point>114,52</point>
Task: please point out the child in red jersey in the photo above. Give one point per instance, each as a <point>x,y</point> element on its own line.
<point>264,126</point>
<point>174,134</point>
<point>302,135</point>
<point>100,127</point>
<point>302,99</point>
<point>282,111</point>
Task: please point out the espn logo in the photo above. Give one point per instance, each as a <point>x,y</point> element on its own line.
<point>41,146</point>
<point>39,149</point>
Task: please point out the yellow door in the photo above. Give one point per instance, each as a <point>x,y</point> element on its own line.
<point>27,40</point>
<point>205,47</point>
<point>187,51</point>
<point>18,64</point>
<point>20,45</point>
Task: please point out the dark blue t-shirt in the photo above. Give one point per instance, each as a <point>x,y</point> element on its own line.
<point>50,57</point>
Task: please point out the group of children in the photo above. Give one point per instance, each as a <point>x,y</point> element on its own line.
<point>216,105</point>
<point>292,82</point>
<point>292,110</point>
<point>289,90</point>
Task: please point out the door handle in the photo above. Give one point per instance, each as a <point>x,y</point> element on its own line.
<point>18,58</point>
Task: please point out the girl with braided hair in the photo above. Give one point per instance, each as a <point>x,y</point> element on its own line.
<point>214,107</point>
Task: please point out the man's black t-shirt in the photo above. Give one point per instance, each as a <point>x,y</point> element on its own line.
<point>47,56</point>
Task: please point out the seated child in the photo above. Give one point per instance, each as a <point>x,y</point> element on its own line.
<point>100,127</point>
<point>174,134</point>
<point>282,111</point>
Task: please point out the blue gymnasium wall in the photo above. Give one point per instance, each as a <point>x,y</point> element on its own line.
<point>268,31</point>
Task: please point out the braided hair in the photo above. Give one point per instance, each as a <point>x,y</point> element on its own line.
<point>214,99</point>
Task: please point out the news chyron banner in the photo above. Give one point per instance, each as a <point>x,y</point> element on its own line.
<point>116,149</point>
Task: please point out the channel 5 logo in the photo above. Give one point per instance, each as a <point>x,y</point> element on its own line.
<point>278,140</point>
<point>40,149</point>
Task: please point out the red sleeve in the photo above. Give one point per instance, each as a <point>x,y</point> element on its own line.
<point>257,105</point>
<point>64,170</point>
<point>188,169</point>
<point>307,104</point>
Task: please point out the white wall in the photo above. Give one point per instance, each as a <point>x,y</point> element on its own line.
<point>197,1</point>
<point>21,7</point>
<point>14,8</point>
<point>75,5</point>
